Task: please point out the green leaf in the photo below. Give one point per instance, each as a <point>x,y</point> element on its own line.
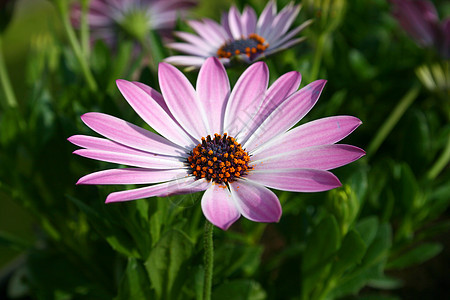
<point>119,239</point>
<point>372,264</point>
<point>367,229</point>
<point>351,252</point>
<point>416,256</point>
<point>167,264</point>
<point>385,283</point>
<point>231,258</point>
<point>241,289</point>
<point>321,245</point>
<point>135,283</point>
<point>13,242</point>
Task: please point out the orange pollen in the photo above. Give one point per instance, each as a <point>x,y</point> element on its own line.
<point>252,46</point>
<point>219,159</point>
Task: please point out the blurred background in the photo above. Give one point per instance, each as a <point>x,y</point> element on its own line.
<point>59,241</point>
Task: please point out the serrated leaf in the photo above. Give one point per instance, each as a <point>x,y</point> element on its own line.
<point>416,256</point>
<point>241,289</point>
<point>167,264</point>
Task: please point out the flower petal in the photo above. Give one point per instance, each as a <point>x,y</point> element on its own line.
<point>130,135</point>
<point>182,101</point>
<point>218,206</point>
<point>95,143</point>
<point>246,97</point>
<point>146,160</point>
<point>282,88</point>
<point>189,49</point>
<point>185,60</point>
<point>266,18</point>
<point>248,21</point>
<point>296,180</point>
<point>255,202</point>
<point>323,131</point>
<point>206,32</point>
<point>286,115</point>
<point>234,21</point>
<point>213,89</point>
<point>132,176</point>
<point>153,114</point>
<point>282,22</point>
<point>176,187</point>
<point>324,157</point>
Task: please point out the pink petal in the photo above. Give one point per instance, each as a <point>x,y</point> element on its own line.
<point>248,21</point>
<point>185,60</point>
<point>324,157</point>
<point>234,20</point>
<point>315,133</point>
<point>153,114</point>
<point>289,35</point>
<point>213,89</point>
<point>255,202</point>
<point>177,187</point>
<point>218,206</point>
<point>206,32</point>
<point>95,143</point>
<point>288,44</point>
<point>194,40</point>
<point>216,29</point>
<point>282,88</point>
<point>132,176</point>
<point>189,49</point>
<point>266,18</point>
<point>286,115</point>
<point>282,22</point>
<point>182,101</point>
<point>148,160</point>
<point>130,135</point>
<point>247,95</point>
<point>155,96</point>
<point>296,180</point>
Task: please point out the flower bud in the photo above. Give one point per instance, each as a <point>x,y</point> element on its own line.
<point>344,205</point>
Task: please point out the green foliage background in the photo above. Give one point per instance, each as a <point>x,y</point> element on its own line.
<point>364,240</point>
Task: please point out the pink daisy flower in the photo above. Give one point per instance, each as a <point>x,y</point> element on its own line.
<point>420,20</point>
<point>135,17</point>
<point>230,143</point>
<point>241,36</point>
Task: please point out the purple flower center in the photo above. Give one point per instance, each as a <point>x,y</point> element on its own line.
<point>220,159</point>
<point>251,46</point>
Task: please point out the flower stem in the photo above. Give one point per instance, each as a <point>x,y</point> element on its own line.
<point>63,11</point>
<point>84,28</point>
<point>5,82</point>
<point>392,120</point>
<point>440,163</point>
<point>318,56</point>
<point>208,260</point>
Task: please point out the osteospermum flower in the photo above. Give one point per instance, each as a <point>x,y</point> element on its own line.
<point>233,144</point>
<point>420,20</point>
<point>244,37</point>
<point>134,17</point>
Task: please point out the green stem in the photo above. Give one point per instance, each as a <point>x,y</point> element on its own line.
<point>84,28</point>
<point>392,120</point>
<point>62,7</point>
<point>318,56</point>
<point>208,260</point>
<point>440,163</point>
<point>6,83</point>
